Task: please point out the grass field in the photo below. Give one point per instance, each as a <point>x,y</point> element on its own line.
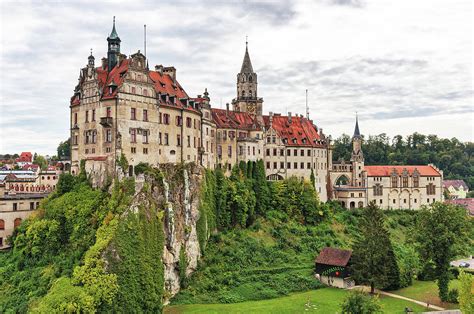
<point>326,300</point>
<point>427,291</point>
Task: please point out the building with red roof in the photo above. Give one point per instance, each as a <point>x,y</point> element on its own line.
<point>124,107</point>
<point>332,267</point>
<point>25,158</point>
<point>455,188</point>
<point>355,184</point>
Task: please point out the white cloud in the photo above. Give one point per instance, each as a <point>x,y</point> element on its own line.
<point>405,65</point>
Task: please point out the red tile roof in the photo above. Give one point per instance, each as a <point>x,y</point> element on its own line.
<point>300,132</point>
<point>455,184</point>
<point>386,171</point>
<point>25,157</point>
<point>334,257</point>
<point>234,120</point>
<point>163,83</point>
<point>468,203</point>
<point>29,166</point>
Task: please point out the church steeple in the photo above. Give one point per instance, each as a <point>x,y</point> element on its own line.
<point>356,130</point>
<point>113,48</point>
<point>246,64</point>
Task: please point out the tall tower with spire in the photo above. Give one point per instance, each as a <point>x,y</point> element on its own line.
<point>357,157</point>
<point>113,48</point>
<point>247,99</point>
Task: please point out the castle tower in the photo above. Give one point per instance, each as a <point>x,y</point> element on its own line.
<point>113,48</point>
<point>247,100</point>
<point>357,157</point>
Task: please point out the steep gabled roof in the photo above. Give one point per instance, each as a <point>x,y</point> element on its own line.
<point>334,257</point>
<point>455,184</point>
<point>386,171</point>
<point>234,120</point>
<point>299,132</point>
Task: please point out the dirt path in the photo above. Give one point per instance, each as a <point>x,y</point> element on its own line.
<point>431,306</point>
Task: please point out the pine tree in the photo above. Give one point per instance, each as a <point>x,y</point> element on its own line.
<point>373,259</point>
<point>261,188</point>
<point>313,179</point>
<point>442,233</point>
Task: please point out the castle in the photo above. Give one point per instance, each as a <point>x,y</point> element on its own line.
<point>123,108</point>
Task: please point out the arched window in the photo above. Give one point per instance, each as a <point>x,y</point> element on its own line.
<point>145,92</point>
<point>16,222</point>
<point>250,78</point>
<point>2,224</point>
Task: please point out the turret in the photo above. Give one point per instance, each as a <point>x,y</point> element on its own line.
<point>113,48</point>
<point>357,157</point>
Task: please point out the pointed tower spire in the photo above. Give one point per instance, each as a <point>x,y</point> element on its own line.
<point>113,34</point>
<point>246,64</point>
<point>356,130</point>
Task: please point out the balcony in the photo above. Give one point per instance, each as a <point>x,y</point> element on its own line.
<point>106,122</point>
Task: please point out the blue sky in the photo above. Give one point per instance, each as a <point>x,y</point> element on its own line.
<point>404,66</point>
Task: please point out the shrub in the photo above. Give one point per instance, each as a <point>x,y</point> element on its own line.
<point>360,303</point>
<point>453,296</point>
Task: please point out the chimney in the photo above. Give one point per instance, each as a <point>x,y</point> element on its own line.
<point>227,107</point>
<point>270,117</point>
<point>289,116</point>
<point>104,63</point>
<point>159,69</point>
<point>171,71</point>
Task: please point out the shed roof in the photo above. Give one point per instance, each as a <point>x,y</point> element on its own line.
<point>334,256</point>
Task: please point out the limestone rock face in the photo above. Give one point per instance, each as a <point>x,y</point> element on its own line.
<point>177,195</point>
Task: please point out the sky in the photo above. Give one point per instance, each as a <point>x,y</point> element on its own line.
<point>404,66</point>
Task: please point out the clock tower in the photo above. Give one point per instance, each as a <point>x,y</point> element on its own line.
<point>247,99</point>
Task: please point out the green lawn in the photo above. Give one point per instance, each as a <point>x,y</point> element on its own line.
<point>427,291</point>
<point>326,300</point>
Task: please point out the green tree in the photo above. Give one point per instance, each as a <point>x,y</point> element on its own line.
<point>441,234</point>
<point>466,292</point>
<point>373,258</point>
<point>40,161</point>
<point>262,191</point>
<point>64,149</point>
<point>312,178</point>
<point>358,302</point>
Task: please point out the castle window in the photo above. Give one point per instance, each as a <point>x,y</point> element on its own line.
<point>268,139</point>
<point>295,165</point>
<point>2,224</point>
<point>166,118</point>
<point>108,136</point>
<point>145,115</point>
<point>189,141</point>
<point>282,165</point>
<point>268,165</point>
<point>394,181</point>
<point>75,118</point>
<point>133,135</point>
<point>188,122</point>
<point>178,140</point>
<point>309,152</point>
<point>133,113</point>
<point>229,151</point>
<point>167,142</point>
<point>295,152</point>
<point>288,165</point>
<point>16,222</point>
<point>179,121</point>
<point>268,151</point>
<point>405,182</point>
<point>145,92</point>
<point>309,165</point>
<point>93,114</point>
<point>250,78</point>
<point>274,152</point>
<point>416,181</point>
<point>275,165</point>
<point>431,189</point>
<point>159,138</point>
<point>302,165</point>
<point>145,137</point>
<point>87,115</point>
<point>109,112</point>
<point>145,150</point>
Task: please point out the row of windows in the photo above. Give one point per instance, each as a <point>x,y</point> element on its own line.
<point>32,206</point>
<point>232,134</point>
<point>404,181</point>
<point>16,223</point>
<point>289,164</point>
<point>164,118</point>
<point>295,152</point>
<point>164,139</point>
<point>93,116</point>
<point>430,189</point>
